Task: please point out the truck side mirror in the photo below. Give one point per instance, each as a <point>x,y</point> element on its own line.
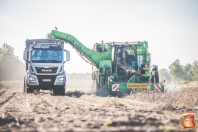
<point>66,55</point>
<point>25,58</point>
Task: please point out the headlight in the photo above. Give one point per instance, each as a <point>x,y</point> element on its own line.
<point>60,79</point>
<point>32,79</point>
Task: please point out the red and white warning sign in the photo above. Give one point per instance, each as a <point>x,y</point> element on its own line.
<point>157,87</point>
<point>115,87</point>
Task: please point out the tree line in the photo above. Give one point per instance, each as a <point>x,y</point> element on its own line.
<point>177,72</point>
<point>11,68</point>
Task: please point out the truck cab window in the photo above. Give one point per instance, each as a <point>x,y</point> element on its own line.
<point>49,56</point>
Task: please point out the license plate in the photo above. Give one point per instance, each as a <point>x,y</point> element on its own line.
<point>46,80</point>
<point>137,85</point>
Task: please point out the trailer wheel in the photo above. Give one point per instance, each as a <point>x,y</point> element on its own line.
<point>59,90</point>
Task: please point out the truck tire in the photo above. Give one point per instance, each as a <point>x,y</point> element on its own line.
<point>59,90</point>
<point>30,90</point>
<point>26,88</point>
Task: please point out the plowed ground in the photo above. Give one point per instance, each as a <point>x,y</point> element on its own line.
<point>142,112</point>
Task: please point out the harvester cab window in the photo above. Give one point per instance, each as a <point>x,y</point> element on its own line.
<point>124,56</point>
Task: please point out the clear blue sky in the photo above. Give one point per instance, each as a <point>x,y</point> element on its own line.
<point>169,26</point>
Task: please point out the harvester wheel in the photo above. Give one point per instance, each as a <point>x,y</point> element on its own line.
<point>154,77</point>
<point>105,87</point>
<point>103,91</point>
<point>107,74</point>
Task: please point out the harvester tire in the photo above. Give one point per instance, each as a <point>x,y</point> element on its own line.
<point>103,91</point>
<point>107,74</point>
<point>105,87</point>
<point>154,77</point>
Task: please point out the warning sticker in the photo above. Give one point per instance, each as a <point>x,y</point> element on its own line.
<point>115,87</point>
<point>157,87</point>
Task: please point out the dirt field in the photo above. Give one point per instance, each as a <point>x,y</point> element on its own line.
<point>142,112</point>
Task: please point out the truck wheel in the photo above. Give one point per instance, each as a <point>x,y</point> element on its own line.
<point>30,90</point>
<point>59,90</point>
<point>26,88</point>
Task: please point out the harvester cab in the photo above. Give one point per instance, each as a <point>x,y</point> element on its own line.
<point>124,58</point>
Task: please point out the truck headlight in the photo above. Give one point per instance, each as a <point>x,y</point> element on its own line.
<point>60,79</point>
<point>32,79</point>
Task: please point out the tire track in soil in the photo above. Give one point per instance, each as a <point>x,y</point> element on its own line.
<point>7,99</point>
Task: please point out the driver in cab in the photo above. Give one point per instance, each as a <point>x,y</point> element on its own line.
<point>123,54</point>
<point>56,55</point>
<point>36,55</point>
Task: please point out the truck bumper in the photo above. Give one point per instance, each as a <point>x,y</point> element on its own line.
<point>43,80</point>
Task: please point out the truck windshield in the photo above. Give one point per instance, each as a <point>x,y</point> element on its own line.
<point>46,56</point>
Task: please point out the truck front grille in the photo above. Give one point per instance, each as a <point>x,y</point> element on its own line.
<point>46,70</point>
